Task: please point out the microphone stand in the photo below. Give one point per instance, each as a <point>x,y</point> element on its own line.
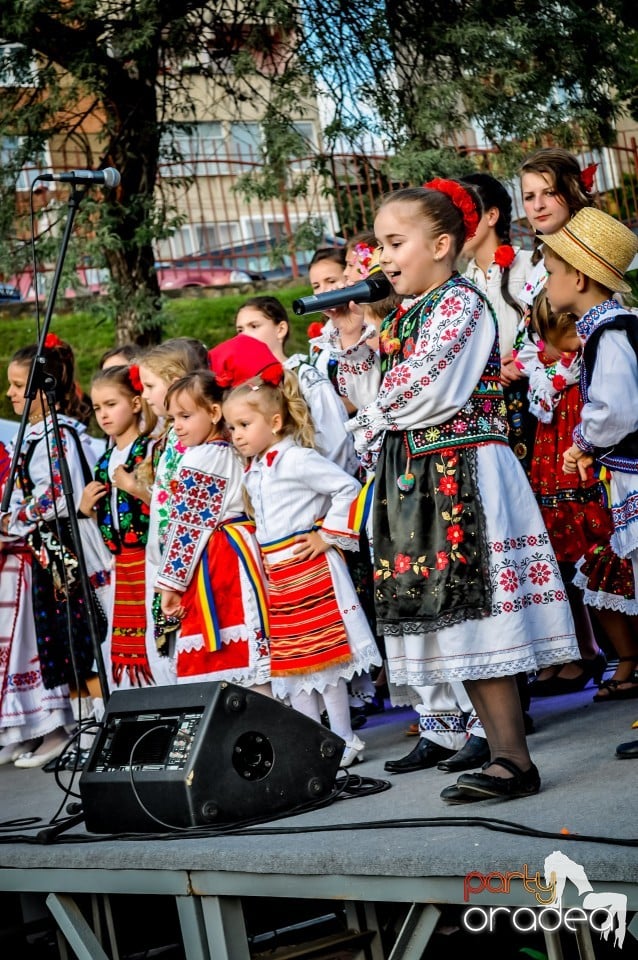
<point>42,381</point>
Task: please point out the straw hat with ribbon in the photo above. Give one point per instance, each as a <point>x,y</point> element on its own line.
<point>598,245</point>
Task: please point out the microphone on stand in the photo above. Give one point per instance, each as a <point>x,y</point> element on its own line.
<point>109,177</point>
<point>375,287</point>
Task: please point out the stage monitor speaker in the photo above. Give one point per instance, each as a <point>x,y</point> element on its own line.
<point>202,754</point>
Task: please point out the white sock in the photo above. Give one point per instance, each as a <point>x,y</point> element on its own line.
<point>307,703</point>
<point>338,709</point>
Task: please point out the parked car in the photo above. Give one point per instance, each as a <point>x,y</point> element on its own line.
<point>257,259</point>
<point>91,281</point>
<point>198,271</point>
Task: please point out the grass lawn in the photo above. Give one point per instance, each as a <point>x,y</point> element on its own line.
<point>90,332</point>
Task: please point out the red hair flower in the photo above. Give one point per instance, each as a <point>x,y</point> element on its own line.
<point>504,256</point>
<point>315,330</point>
<point>134,377</point>
<point>587,177</point>
<point>461,200</point>
<point>51,341</point>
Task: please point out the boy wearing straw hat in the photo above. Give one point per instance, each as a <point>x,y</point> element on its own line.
<point>586,261</point>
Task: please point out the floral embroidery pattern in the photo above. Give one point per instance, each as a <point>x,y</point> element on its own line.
<point>451,513</point>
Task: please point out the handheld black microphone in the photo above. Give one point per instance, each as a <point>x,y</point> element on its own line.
<point>110,177</point>
<point>375,287</point>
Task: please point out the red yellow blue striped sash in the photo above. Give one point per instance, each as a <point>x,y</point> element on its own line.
<point>361,506</point>
<point>210,621</point>
<point>272,546</point>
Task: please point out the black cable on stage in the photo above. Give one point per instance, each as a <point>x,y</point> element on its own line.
<point>246,829</point>
<point>347,787</point>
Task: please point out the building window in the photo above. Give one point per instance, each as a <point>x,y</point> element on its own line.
<point>24,176</point>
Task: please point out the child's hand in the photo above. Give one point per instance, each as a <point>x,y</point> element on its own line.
<point>91,495</point>
<point>124,479</point>
<point>310,546</point>
<point>129,482</point>
<point>577,461</point>
<point>509,371</point>
<point>172,604</point>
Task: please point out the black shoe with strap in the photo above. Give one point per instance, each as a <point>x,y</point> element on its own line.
<point>522,783</point>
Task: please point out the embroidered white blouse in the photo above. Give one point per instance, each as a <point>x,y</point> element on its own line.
<point>433,383</point>
<point>291,487</point>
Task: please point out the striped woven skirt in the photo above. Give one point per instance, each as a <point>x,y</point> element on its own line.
<point>306,627</point>
<point>128,638</point>
<point>318,629</point>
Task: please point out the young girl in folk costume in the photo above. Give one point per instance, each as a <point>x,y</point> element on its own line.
<point>120,503</point>
<point>447,722</point>
<point>27,710</point>
<point>211,576</point>
<point>38,514</point>
<point>265,319</point>
<point>320,637</point>
<point>554,188</point>
<point>158,368</point>
<point>468,588</point>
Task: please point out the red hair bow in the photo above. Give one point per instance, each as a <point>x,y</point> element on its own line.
<point>461,200</point>
<point>587,177</point>
<point>51,341</point>
<point>134,377</point>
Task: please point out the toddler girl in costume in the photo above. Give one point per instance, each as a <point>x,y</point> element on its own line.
<point>211,576</point>
<point>319,634</point>
<point>120,504</point>
<point>468,587</point>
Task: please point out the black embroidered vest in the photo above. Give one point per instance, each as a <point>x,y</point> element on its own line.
<point>624,455</point>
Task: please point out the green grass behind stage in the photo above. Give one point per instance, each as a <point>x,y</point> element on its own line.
<point>90,332</point>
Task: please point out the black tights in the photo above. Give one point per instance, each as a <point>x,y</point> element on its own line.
<point>498,705</point>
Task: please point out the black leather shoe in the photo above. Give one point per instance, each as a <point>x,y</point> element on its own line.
<point>628,750</point>
<point>426,754</point>
<point>473,753</point>
<point>521,784</point>
<point>454,794</point>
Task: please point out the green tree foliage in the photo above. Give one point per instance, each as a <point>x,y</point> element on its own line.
<point>520,70</point>
<point>409,73</point>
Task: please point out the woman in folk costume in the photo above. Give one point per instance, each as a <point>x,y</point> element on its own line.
<point>468,588</point>
<point>302,504</point>
<point>119,502</point>
<point>211,577</point>
<point>39,514</point>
